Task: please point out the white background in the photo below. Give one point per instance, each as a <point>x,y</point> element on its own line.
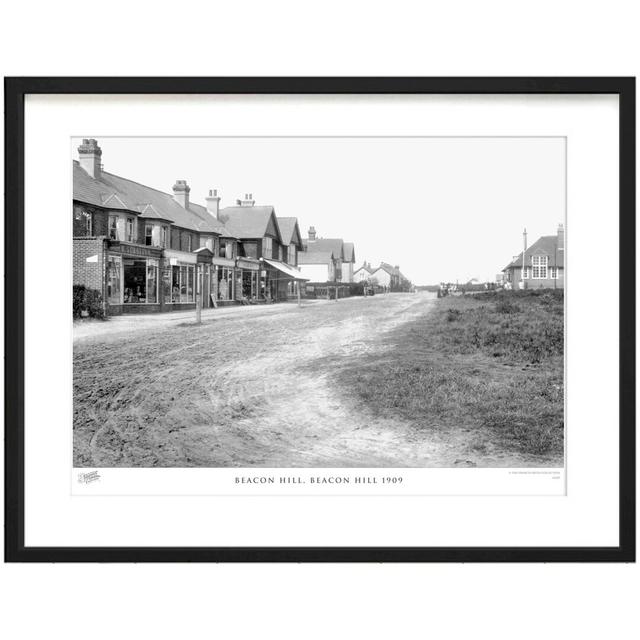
<point>587,516</point>
<point>329,38</point>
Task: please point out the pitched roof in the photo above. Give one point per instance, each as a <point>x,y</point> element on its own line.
<point>110,191</point>
<point>349,252</point>
<point>365,267</point>
<point>323,245</point>
<point>289,230</point>
<point>249,222</point>
<point>315,257</point>
<point>546,245</point>
<point>391,270</point>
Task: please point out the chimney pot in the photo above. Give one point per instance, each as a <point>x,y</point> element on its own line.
<point>213,203</point>
<point>248,200</point>
<point>312,233</point>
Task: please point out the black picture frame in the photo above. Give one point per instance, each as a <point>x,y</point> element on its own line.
<point>15,91</point>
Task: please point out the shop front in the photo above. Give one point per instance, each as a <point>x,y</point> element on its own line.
<point>282,280</point>
<point>179,280</point>
<point>132,278</point>
<point>222,283</point>
<point>249,279</point>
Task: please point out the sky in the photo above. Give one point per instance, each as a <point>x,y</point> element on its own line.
<point>443,209</point>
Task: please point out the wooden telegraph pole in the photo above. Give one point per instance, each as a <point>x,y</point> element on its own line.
<point>524,253</point>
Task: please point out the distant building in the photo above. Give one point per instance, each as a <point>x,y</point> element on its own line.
<point>386,277</point>
<point>363,273</point>
<point>543,264</point>
<point>327,263</point>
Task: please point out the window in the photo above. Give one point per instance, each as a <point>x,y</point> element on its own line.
<point>82,222</point>
<point>291,254</point>
<point>114,277</point>
<point>267,245</point>
<point>113,227</point>
<point>225,283</point>
<point>163,237</point>
<point>188,242</point>
<point>182,283</point>
<point>539,264</point>
<point>527,273</point>
<point>148,234</point>
<point>152,281</point>
<point>130,229</point>
<point>553,273</point>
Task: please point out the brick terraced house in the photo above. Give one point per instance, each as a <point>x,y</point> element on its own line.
<point>145,250</point>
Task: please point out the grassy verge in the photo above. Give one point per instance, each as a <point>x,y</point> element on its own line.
<point>491,364</point>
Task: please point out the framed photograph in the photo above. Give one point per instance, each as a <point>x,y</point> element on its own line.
<point>320,319</point>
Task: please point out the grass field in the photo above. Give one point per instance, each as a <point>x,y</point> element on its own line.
<point>490,364</point>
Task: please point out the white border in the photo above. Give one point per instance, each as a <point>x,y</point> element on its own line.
<point>586,516</point>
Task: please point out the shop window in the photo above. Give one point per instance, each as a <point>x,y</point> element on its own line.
<point>182,283</point>
<point>166,284</point>
<point>148,234</point>
<point>225,283</point>
<point>152,281</point>
<point>114,279</point>
<point>135,281</point>
<point>113,227</point>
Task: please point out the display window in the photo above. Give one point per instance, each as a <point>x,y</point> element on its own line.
<point>140,281</point>
<point>114,280</point>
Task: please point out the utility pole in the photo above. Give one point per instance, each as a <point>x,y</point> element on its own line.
<point>524,236</point>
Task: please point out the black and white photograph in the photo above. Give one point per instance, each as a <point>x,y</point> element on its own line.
<point>318,302</point>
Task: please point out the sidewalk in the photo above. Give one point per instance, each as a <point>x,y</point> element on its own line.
<point>127,323</point>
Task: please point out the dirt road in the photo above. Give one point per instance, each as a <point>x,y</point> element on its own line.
<point>249,387</point>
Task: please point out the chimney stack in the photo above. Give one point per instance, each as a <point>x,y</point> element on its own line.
<point>181,193</point>
<point>312,234</point>
<point>248,200</point>
<point>561,237</point>
<point>90,157</point>
<point>213,202</point>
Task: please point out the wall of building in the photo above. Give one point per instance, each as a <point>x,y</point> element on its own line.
<point>88,262</point>
<point>347,272</point>
<point>530,283</point>
<point>315,272</point>
<point>381,277</point>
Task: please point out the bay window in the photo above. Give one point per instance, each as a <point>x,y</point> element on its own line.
<point>130,237</point>
<point>267,247</point>
<point>113,227</point>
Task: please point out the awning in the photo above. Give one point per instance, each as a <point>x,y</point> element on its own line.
<point>292,272</point>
